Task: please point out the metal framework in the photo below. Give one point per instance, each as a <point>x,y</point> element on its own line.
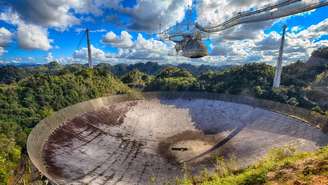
<point>190,41</point>
<point>269,12</point>
<point>277,76</point>
<point>89,49</point>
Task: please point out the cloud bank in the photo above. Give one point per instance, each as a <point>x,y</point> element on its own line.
<point>32,20</point>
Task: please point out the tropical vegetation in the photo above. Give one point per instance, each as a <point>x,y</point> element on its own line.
<point>29,94</point>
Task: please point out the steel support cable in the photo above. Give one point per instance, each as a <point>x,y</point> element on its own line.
<point>262,17</point>
<point>265,9</point>
<point>250,13</point>
<point>80,41</point>
<point>179,33</point>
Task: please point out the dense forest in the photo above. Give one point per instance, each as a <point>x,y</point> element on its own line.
<point>29,94</point>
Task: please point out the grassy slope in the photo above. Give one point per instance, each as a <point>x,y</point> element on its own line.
<point>281,166</point>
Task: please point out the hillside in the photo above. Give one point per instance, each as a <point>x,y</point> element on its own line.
<point>153,68</point>
<point>25,102</point>
<point>279,167</point>
<point>28,94</point>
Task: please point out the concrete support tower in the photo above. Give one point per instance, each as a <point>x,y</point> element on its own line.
<point>277,77</point>
<point>89,49</point>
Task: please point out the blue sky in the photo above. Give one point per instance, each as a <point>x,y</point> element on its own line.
<point>124,31</point>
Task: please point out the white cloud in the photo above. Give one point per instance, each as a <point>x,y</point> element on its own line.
<point>122,41</point>
<point>244,43</point>
<point>264,48</point>
<point>29,36</point>
<point>295,29</point>
<point>258,48</point>
<point>141,48</point>
<point>50,58</point>
<point>88,6</point>
<point>248,43</point>
<point>316,30</point>
<point>213,12</point>
<point>150,49</point>
<point>150,44</point>
<point>148,15</point>
<point>47,13</point>
<point>10,17</point>
<point>269,42</point>
<point>97,54</point>
<point>5,36</point>
<point>2,51</point>
<point>100,56</point>
<point>33,37</point>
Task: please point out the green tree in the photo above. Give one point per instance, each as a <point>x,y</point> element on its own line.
<point>173,79</point>
<point>9,158</point>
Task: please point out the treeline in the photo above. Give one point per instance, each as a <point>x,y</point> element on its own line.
<point>10,73</point>
<point>321,52</point>
<point>299,82</point>
<point>29,94</point>
<point>24,101</point>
